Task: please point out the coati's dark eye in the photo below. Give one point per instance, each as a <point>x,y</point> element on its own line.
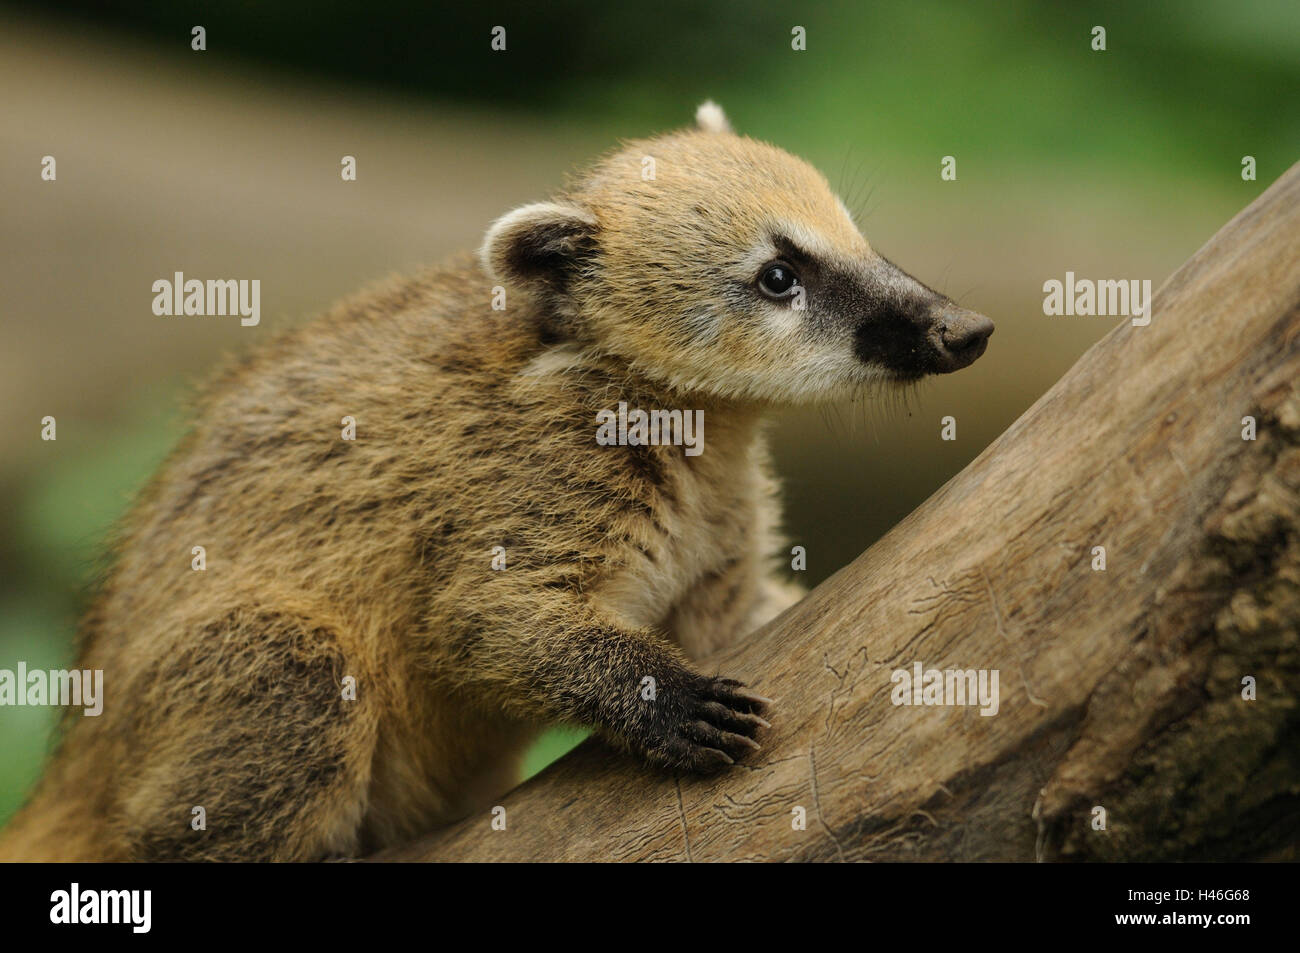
<point>777,280</point>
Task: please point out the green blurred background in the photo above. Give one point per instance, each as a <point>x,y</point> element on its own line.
<point>226,162</point>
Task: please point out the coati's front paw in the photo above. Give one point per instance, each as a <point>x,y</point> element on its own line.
<point>702,725</point>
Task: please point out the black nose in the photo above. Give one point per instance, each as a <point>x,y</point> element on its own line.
<point>959,337</point>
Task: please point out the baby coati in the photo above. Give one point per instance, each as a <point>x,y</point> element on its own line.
<point>387,609</point>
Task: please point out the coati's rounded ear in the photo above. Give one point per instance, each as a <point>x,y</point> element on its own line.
<point>710,117</point>
<point>540,245</point>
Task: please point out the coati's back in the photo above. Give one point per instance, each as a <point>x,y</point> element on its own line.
<point>357,535</point>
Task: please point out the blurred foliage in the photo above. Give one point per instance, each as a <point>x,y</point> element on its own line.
<point>1183,83</point>
<point>53,551</point>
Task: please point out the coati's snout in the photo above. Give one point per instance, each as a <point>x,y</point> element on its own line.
<point>911,331</point>
<point>959,337</point>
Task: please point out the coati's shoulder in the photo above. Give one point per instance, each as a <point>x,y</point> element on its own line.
<point>406,359</point>
<point>435,326</point>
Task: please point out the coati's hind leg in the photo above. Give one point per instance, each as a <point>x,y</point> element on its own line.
<point>248,720</point>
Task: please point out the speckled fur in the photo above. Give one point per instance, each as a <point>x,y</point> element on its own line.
<point>372,558</point>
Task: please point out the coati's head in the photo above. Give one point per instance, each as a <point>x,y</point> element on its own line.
<point>720,264</point>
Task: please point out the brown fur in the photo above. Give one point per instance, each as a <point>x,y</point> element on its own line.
<point>372,558</point>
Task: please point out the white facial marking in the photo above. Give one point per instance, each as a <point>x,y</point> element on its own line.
<point>809,239</point>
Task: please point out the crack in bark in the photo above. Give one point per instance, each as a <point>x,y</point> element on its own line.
<point>681,816</point>
<point>997,619</point>
<point>817,803</point>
